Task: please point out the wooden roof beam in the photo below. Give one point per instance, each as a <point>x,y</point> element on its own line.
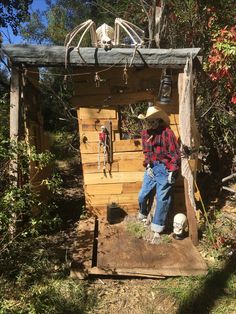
<point>39,55</point>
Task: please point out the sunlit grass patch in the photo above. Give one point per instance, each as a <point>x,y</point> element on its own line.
<point>35,279</point>
<point>60,296</point>
<point>53,296</point>
<point>214,293</point>
<point>136,229</point>
<point>180,288</point>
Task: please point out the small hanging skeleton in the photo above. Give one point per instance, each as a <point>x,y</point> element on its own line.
<point>106,36</point>
<point>103,137</point>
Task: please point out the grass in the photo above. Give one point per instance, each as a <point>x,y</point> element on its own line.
<point>35,279</point>
<point>214,293</point>
<point>52,296</point>
<point>136,229</point>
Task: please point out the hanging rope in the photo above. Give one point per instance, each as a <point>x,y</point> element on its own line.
<point>75,74</point>
<point>132,59</point>
<point>125,75</point>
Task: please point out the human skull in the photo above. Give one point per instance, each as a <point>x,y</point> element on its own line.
<point>179,224</point>
<point>105,34</point>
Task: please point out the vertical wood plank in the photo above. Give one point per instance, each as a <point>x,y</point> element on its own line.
<point>192,220</point>
<point>14,118</point>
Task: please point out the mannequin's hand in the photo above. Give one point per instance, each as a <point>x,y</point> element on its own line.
<point>149,171</point>
<point>171,177</point>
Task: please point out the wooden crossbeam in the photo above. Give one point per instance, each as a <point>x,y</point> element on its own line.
<point>113,99</point>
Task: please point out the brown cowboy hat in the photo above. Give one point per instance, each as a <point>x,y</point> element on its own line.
<point>155,112</point>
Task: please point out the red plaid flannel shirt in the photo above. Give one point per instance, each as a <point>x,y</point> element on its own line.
<point>161,145</point>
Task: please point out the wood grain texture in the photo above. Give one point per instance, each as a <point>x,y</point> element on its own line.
<point>101,210</point>
<point>118,146</point>
<point>177,258</point>
<point>97,113</point>
<point>127,145</point>
<point>112,99</point>
<point>93,157</point>
<point>95,124</point>
<point>121,165</point>
<point>128,198</point>
<point>192,220</point>
<point>117,177</point>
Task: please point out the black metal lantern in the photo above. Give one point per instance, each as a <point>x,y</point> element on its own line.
<point>165,92</point>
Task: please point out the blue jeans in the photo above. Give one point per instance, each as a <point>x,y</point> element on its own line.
<point>163,196</point>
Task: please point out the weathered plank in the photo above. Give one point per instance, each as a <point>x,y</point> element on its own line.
<point>15,110</point>
<point>118,188</point>
<point>175,129</point>
<point>128,198</point>
<point>144,77</point>
<point>111,99</point>
<point>176,258</point>
<point>174,118</point>
<point>116,177</point>
<point>127,145</point>
<point>97,113</point>
<point>117,136</point>
<point>131,187</point>
<point>121,165</point>
<point>97,167</point>
<point>89,136</point>
<point>192,220</point>
<point>93,157</point>
<point>92,136</point>
<point>39,55</point>
<point>97,189</point>
<point>95,124</point>
<point>118,146</point>
<point>131,165</point>
<point>121,272</point>
<point>101,210</point>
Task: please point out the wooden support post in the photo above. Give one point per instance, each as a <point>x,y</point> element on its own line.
<point>192,220</point>
<point>14,119</point>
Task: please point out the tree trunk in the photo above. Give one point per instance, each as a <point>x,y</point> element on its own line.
<point>155,24</point>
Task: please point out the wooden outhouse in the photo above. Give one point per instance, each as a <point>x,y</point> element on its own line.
<point>106,82</point>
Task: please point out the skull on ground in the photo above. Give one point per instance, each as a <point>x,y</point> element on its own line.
<point>179,224</point>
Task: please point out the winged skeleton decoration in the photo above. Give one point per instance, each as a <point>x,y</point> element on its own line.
<point>106,36</point>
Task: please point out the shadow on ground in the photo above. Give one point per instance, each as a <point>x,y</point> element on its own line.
<point>213,288</point>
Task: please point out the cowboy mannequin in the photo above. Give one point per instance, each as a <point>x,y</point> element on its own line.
<point>162,160</point>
